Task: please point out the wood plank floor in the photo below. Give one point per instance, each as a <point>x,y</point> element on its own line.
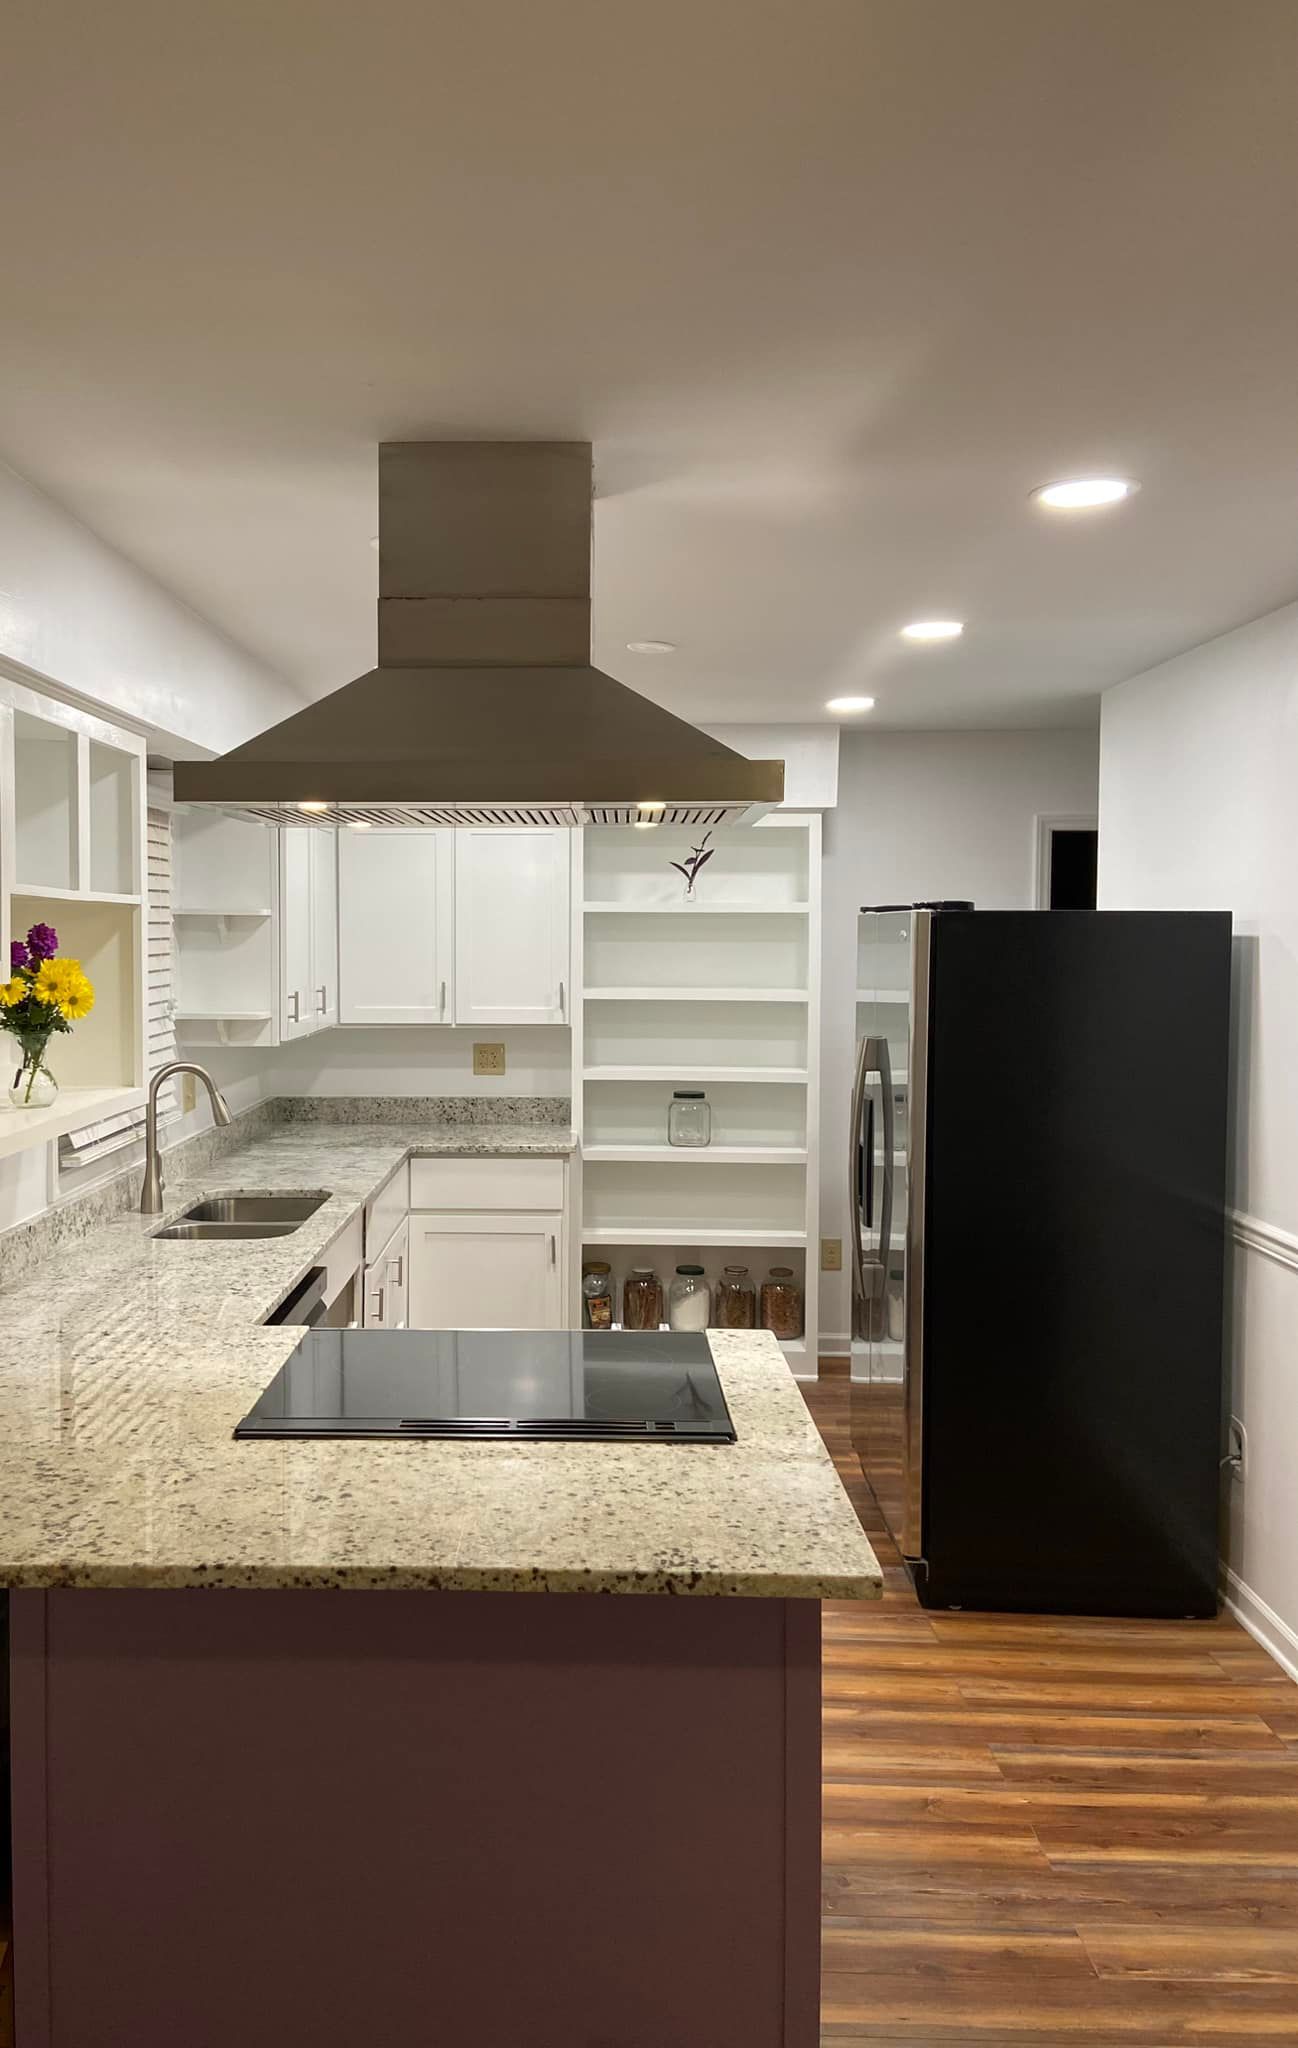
<point>1046,1831</point>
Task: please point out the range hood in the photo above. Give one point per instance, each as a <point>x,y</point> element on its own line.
<point>484,708</point>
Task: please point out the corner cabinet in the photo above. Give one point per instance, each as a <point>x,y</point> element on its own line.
<point>396,909</point>
<point>511,925</point>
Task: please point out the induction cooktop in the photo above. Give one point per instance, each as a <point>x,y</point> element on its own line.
<point>610,1386</point>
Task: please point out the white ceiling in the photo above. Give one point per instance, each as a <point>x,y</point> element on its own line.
<point>830,284</point>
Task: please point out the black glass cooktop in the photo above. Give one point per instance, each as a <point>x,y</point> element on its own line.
<point>611,1386</point>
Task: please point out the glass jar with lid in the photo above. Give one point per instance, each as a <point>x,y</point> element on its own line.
<point>689,1118</point>
<point>782,1303</point>
<point>597,1294</point>
<point>689,1300</point>
<point>736,1299</point>
<point>642,1300</point>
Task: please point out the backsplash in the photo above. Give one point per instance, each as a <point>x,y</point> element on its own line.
<point>26,1244</point>
<point>425,1109</point>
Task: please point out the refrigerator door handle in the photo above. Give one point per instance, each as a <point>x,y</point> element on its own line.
<point>855,1189</point>
<point>882,1060</point>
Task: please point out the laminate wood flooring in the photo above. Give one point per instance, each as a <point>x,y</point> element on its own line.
<point>1051,1832</point>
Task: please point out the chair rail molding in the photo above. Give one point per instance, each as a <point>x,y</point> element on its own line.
<point>1266,1238</point>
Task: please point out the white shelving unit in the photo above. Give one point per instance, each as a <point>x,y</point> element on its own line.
<point>227,948</point>
<point>72,855</point>
<point>720,993</point>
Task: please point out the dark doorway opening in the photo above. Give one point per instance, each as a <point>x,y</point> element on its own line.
<point>1072,868</point>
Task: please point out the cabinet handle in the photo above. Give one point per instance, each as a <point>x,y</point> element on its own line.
<point>323,1004</point>
<point>378,1312</point>
<point>295,1013</point>
<point>441,1000</point>
<point>400,1263</point>
<point>554,1249</point>
<point>562,1003</point>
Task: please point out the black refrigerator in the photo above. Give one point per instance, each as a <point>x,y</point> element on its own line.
<point>1037,1173</point>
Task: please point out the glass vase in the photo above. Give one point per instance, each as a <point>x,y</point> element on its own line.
<point>33,1086</point>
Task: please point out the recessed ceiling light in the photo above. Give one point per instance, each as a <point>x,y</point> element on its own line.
<point>651,647</point>
<point>933,629</point>
<point>1084,493</point>
<point>850,704</point>
<point>314,808</point>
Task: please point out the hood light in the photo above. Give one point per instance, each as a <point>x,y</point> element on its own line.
<point>651,813</point>
<point>360,825</point>
<point>316,810</point>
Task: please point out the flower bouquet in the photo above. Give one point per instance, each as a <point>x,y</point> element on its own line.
<point>42,995</point>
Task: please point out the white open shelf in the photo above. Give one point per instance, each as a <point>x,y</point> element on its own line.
<point>223,1016</point>
<point>674,1076</point>
<point>701,1155</point>
<point>696,995</point>
<point>792,1347</point>
<point>73,1108</point>
<point>721,908</point>
<point>883,995</point>
<point>685,1236</point>
<point>72,895</point>
<point>221,915</point>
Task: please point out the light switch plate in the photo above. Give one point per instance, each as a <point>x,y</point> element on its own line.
<point>831,1254</point>
<point>488,1059</point>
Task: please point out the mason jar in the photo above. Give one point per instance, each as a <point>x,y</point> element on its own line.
<point>689,1119</point>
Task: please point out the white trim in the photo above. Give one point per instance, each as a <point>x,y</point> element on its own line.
<point>1266,1238</point>
<point>1044,825</point>
<point>1262,1622</point>
<point>834,1344</point>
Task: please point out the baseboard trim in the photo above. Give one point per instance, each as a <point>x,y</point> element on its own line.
<point>1262,1622</point>
<point>833,1346</point>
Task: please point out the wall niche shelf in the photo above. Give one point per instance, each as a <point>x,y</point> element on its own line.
<point>72,854</point>
<point>721,994</point>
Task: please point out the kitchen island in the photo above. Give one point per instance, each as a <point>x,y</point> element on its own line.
<point>245,1810</point>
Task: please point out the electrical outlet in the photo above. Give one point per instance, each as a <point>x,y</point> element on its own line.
<point>831,1254</point>
<point>488,1059</point>
<point>1236,1458</point>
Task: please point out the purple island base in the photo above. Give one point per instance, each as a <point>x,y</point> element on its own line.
<point>263,1819</point>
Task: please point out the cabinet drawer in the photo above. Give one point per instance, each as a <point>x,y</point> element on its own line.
<point>486,1183</point>
<point>386,1209</point>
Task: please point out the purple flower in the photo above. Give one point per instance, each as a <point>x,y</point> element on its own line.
<point>17,955</point>
<point>42,942</point>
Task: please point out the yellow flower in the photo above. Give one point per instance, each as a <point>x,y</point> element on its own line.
<point>14,991</point>
<point>63,985</point>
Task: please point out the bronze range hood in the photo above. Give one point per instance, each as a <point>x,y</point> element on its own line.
<point>484,708</point>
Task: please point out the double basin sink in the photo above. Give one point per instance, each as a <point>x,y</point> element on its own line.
<point>220,1218</point>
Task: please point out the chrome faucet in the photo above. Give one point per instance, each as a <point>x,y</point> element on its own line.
<point>151,1192</point>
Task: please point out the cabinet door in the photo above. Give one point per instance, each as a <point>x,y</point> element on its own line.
<point>487,1272</point>
<point>387,1283</point>
<point>324,929</point>
<point>395,914</point>
<point>511,925</point>
<point>297,1003</point>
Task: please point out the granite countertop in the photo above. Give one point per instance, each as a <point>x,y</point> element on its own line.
<point>126,1364</point>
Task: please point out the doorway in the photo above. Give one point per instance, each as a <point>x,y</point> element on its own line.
<point>1066,863</point>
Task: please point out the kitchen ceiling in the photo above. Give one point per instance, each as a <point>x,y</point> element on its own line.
<point>831,286</point>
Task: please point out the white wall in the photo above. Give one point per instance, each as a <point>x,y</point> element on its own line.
<point>924,814</point>
<point>366,1060</point>
<point>1199,810</point>
<point>80,615</point>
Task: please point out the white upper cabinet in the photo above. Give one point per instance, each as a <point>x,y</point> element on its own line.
<point>324,929</point>
<point>395,918</point>
<point>308,922</point>
<point>511,925</point>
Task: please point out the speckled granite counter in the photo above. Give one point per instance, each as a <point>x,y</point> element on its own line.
<point>126,1363</point>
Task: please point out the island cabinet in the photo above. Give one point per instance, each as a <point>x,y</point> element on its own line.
<point>277,1816</point>
<point>487,1244</point>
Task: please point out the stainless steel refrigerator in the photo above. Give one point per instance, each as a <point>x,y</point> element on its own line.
<point>1037,1176</point>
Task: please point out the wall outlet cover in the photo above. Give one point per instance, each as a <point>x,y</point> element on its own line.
<point>831,1254</point>
<point>488,1059</point>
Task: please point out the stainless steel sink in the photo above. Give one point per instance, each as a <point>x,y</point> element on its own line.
<point>223,1217</point>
